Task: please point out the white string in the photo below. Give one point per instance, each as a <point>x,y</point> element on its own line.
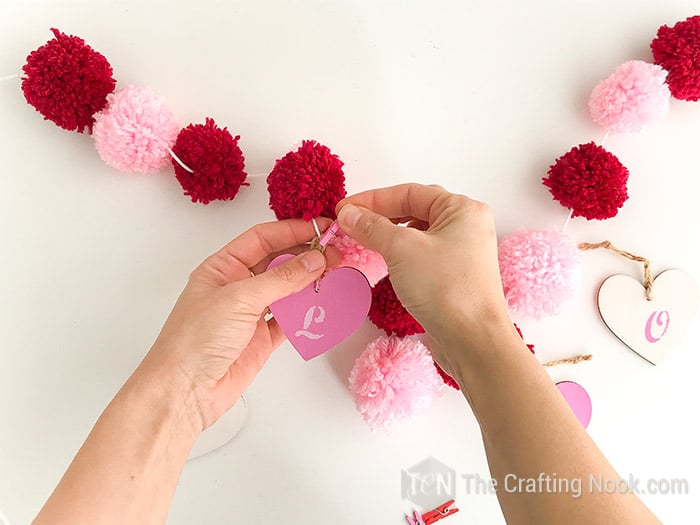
<point>9,77</point>
<point>568,219</point>
<point>318,232</point>
<point>179,161</point>
<point>605,138</point>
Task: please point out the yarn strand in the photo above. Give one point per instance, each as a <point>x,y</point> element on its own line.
<point>567,221</point>
<point>569,360</point>
<point>179,161</point>
<point>648,280</point>
<point>9,77</point>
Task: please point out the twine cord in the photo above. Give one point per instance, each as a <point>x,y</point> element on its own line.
<point>569,360</point>
<point>648,280</point>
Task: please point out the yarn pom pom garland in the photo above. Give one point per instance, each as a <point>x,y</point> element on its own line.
<point>634,96</point>
<point>357,256</point>
<point>216,161</point>
<point>392,381</point>
<point>67,81</point>
<point>589,180</point>
<point>135,131</point>
<point>677,50</point>
<point>540,270</point>
<point>306,183</point>
<point>388,314</point>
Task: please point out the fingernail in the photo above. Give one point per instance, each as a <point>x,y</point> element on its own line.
<point>350,215</point>
<point>313,260</point>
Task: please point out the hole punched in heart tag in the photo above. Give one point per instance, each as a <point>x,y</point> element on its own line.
<point>648,279</point>
<point>321,241</point>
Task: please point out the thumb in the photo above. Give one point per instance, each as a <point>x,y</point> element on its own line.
<point>370,229</point>
<point>286,279</point>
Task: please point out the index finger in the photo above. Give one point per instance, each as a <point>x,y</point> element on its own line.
<point>405,201</point>
<point>255,244</point>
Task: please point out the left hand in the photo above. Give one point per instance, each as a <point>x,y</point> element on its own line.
<point>216,339</point>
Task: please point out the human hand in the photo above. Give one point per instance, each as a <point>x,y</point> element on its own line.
<point>443,267</point>
<point>216,339</point>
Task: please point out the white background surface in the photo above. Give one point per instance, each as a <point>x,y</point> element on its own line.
<point>478,96</point>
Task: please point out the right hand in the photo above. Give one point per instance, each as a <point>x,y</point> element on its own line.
<point>443,267</point>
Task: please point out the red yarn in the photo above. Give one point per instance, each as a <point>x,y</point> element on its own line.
<point>589,180</point>
<point>388,313</point>
<point>520,333</point>
<point>306,183</point>
<point>212,153</point>
<point>67,82</point>
<point>446,378</point>
<point>677,50</point>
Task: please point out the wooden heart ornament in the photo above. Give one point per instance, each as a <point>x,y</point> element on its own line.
<point>319,317</point>
<point>649,327</point>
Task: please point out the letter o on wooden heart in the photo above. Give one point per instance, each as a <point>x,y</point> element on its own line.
<point>649,328</point>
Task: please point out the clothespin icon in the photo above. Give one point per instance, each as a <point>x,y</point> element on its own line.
<point>417,519</point>
<point>432,516</point>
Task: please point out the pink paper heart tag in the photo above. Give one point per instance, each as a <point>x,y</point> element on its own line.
<point>318,318</point>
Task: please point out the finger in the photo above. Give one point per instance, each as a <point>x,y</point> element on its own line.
<point>258,242</point>
<point>277,337</point>
<point>376,232</point>
<point>261,266</point>
<point>333,257</point>
<point>401,220</point>
<point>403,201</point>
<point>418,225</point>
<point>244,369</point>
<point>280,281</point>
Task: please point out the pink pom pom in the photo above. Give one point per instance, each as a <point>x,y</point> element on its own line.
<point>393,380</point>
<point>135,130</point>
<point>540,271</point>
<point>634,96</point>
<point>357,256</point>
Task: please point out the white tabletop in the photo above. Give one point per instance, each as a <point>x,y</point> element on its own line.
<point>477,96</point>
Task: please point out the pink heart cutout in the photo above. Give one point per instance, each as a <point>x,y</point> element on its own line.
<point>316,321</point>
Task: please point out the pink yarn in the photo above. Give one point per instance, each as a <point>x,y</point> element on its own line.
<point>635,95</point>
<point>357,256</point>
<point>135,130</point>
<point>393,380</point>
<point>540,270</point>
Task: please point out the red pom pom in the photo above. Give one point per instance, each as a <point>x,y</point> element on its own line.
<point>589,180</point>
<point>446,378</point>
<point>520,333</point>
<point>677,50</point>
<point>306,183</point>
<point>217,162</point>
<point>67,82</point>
<point>388,313</point>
